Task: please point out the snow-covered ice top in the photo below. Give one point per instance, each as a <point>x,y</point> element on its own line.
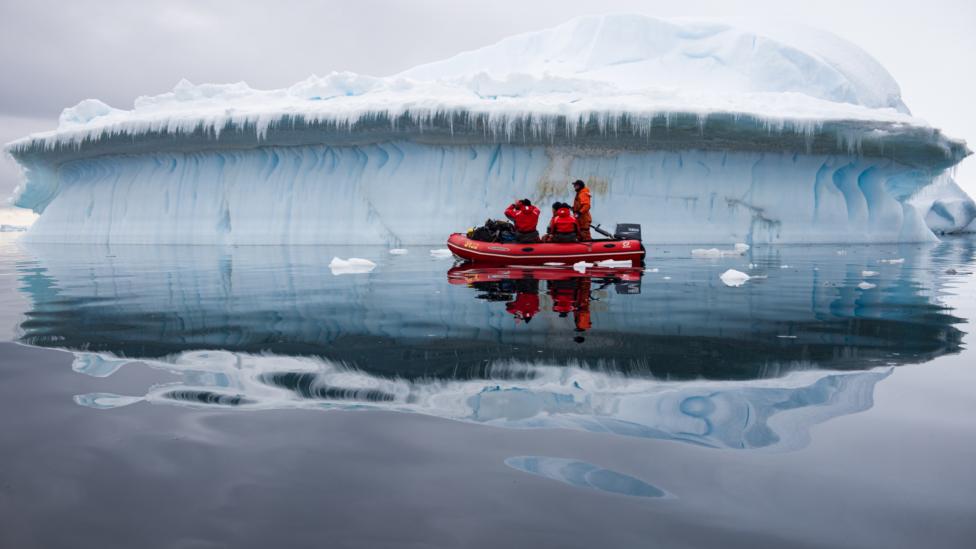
<point>623,73</point>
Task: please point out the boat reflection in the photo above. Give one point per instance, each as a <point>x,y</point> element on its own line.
<point>570,291</point>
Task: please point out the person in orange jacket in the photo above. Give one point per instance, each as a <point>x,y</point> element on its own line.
<point>581,207</point>
<point>525,216</point>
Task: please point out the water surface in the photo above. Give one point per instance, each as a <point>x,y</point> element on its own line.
<point>206,396</point>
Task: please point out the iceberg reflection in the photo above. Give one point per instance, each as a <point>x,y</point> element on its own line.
<point>403,320</point>
<point>718,414</point>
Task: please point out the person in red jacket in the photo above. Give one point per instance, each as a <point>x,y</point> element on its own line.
<point>563,226</point>
<point>525,216</point>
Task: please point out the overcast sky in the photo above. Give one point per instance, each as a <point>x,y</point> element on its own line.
<point>56,53</point>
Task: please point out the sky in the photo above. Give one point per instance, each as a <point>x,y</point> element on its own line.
<point>56,53</point>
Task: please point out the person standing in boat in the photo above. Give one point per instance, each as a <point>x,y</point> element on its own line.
<point>581,207</point>
<point>525,217</point>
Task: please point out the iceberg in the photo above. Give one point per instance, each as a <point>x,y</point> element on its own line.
<point>702,131</point>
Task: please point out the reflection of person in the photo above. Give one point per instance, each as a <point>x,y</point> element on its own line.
<point>581,207</point>
<point>525,216</point>
<point>526,302</point>
<point>563,293</point>
<point>582,313</point>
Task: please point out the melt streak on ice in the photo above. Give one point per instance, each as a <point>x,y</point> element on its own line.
<point>703,132</point>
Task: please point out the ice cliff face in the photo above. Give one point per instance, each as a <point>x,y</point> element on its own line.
<point>703,132</point>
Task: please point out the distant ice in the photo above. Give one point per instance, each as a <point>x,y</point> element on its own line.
<point>353,265</point>
<point>441,253</point>
<point>892,261</point>
<point>868,274</point>
<point>398,251</point>
<point>866,285</point>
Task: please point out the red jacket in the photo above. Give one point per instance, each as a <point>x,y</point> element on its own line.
<point>563,222</point>
<point>525,217</point>
<point>524,307</point>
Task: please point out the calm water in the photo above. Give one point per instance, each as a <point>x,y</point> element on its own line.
<point>252,397</point>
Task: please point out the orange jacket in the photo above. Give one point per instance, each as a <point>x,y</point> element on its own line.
<point>581,205</point>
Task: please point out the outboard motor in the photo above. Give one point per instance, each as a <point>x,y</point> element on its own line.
<point>627,231</point>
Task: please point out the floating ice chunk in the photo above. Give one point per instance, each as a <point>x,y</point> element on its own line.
<point>785,267</point>
<point>353,265</point>
<point>867,274</point>
<point>734,278</point>
<point>398,251</point>
<point>784,336</point>
<point>581,266</point>
<point>651,270</point>
<point>666,277</point>
<point>738,249</point>
<point>614,263</point>
<point>706,252</point>
<point>841,252</point>
<point>892,261</point>
<point>441,253</point>
<point>866,285</point>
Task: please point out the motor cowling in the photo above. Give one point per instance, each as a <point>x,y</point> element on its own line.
<point>627,231</point>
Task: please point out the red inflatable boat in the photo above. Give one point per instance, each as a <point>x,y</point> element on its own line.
<point>549,253</point>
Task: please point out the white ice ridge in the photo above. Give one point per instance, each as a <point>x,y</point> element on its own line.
<point>703,132</point>
<point>619,73</point>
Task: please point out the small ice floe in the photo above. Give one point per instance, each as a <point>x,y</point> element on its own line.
<point>581,266</point>
<point>785,267</point>
<point>666,277</point>
<point>353,265</point>
<point>841,252</point>
<point>734,278</point>
<point>398,251</point>
<point>868,274</point>
<point>614,263</point>
<point>783,336</point>
<point>441,253</point>
<point>739,249</point>
<point>865,285</point>
<point>651,270</point>
<point>892,261</point>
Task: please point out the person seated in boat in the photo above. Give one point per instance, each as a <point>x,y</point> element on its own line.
<point>581,207</point>
<point>525,217</point>
<point>563,227</point>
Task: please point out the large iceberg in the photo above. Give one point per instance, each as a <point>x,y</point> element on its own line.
<point>701,131</point>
